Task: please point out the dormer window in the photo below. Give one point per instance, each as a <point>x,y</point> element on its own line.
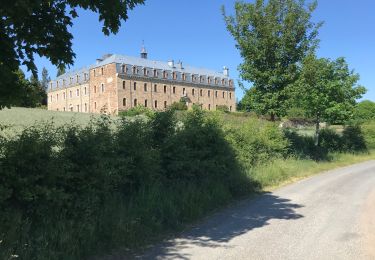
<point>216,81</point>
<point>174,75</point>
<point>144,71</point>
<point>183,76</point>
<point>165,74</point>
<point>192,78</point>
<point>230,82</point>
<point>200,79</point>
<point>223,82</point>
<point>123,68</point>
<point>134,69</point>
<point>208,80</point>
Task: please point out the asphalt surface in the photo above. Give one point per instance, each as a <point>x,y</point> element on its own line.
<point>328,216</point>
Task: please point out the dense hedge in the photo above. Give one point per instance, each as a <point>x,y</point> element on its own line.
<point>71,192</point>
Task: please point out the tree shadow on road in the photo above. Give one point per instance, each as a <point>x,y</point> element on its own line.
<point>219,229</point>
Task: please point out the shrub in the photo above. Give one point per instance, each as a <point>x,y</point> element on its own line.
<point>223,108</point>
<point>256,142</point>
<point>135,111</point>
<point>71,192</point>
<point>368,129</point>
<point>178,106</point>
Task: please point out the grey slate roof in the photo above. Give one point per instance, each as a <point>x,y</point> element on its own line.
<point>139,63</point>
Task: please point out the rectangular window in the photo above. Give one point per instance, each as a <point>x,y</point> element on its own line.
<point>85,90</point>
<point>209,93</point>
<point>57,97</point>
<point>103,88</point>
<point>156,104</point>
<point>174,90</point>
<point>165,104</point>
<point>183,91</point>
<point>70,94</point>
<point>145,102</point>
<point>223,94</point>
<point>77,108</point>
<point>155,88</point>
<point>85,107</point>
<point>230,95</point>
<point>201,93</point>
<point>145,87</point>
<point>165,89</point>
<point>123,84</point>
<point>216,93</point>
<point>193,92</point>
<point>135,86</point>
<point>77,92</point>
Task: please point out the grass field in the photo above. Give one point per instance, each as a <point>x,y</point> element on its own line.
<point>16,119</point>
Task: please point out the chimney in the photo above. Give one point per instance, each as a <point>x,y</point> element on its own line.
<point>226,71</point>
<point>98,61</point>
<point>180,65</point>
<point>171,63</point>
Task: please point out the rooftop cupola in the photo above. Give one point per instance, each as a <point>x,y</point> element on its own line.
<point>143,52</point>
<point>226,71</point>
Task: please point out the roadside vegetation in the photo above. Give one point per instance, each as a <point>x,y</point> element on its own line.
<point>71,191</point>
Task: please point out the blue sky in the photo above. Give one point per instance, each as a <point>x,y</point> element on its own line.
<point>194,31</point>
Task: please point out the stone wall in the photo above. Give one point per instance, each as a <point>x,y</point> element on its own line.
<point>103,89</point>
<point>75,99</point>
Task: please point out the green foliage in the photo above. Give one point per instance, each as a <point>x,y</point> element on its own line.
<point>296,113</point>
<point>223,108</point>
<point>352,140</point>
<point>273,37</point>
<point>178,106</point>
<point>368,129</point>
<point>256,142</point>
<point>327,89</point>
<point>72,192</point>
<point>60,71</point>
<point>45,79</point>
<point>364,111</point>
<point>138,110</point>
<point>32,93</point>
<point>41,27</point>
<point>77,192</point>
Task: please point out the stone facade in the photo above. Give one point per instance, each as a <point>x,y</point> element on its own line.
<point>118,83</point>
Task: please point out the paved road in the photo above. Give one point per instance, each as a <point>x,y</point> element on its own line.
<point>329,216</point>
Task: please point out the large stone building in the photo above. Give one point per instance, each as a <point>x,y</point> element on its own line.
<point>118,82</point>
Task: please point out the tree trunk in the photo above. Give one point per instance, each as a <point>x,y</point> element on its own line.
<point>272,117</point>
<point>317,130</point>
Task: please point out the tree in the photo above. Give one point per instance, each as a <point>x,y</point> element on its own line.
<point>327,91</point>
<point>60,71</point>
<point>273,38</point>
<point>29,27</point>
<point>45,79</point>
<point>364,111</point>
